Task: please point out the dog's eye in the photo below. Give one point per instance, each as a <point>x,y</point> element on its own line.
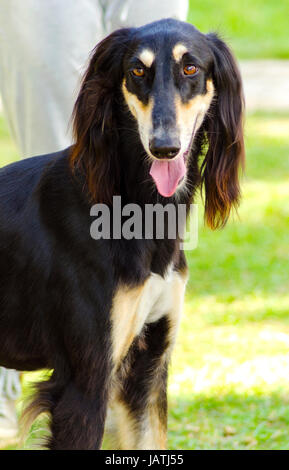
<point>138,72</point>
<point>190,69</point>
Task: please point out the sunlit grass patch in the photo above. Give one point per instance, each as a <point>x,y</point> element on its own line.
<point>225,369</point>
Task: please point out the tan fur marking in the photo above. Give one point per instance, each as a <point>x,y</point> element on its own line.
<point>126,427</point>
<point>190,115</point>
<point>124,320</point>
<point>147,57</point>
<point>146,434</point>
<point>136,106</point>
<point>141,112</point>
<point>178,51</point>
<point>186,112</point>
<point>132,308</point>
<point>153,433</point>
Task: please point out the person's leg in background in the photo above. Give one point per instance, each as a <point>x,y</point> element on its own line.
<point>122,13</point>
<point>44,47</point>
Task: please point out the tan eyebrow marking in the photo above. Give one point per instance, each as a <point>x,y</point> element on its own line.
<point>147,57</point>
<point>178,51</point>
<point>196,108</point>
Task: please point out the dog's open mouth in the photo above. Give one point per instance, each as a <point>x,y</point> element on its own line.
<point>168,174</point>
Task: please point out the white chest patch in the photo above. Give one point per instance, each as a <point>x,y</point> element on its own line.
<point>133,308</point>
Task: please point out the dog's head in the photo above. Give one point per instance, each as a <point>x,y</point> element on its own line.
<point>178,85</point>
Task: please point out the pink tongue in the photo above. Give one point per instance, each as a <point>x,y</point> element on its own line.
<point>167,175</point>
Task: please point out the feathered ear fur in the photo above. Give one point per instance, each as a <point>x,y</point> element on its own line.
<point>224,129</point>
<point>94,119</point>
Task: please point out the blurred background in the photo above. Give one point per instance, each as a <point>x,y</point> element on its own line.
<point>229,377</point>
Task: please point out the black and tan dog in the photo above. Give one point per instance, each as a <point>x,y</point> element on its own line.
<point>159,114</point>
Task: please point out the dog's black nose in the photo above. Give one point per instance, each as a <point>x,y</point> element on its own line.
<point>161,149</point>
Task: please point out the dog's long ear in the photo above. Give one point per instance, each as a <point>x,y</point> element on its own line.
<point>94,119</point>
<point>224,127</point>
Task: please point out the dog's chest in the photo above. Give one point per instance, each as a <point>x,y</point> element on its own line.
<point>133,308</point>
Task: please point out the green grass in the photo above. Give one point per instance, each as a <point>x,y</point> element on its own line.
<point>229,386</point>
<point>254,28</point>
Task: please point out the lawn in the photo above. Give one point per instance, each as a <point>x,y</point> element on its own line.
<point>254,28</point>
<point>229,386</point>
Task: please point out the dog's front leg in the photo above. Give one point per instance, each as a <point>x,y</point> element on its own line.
<point>76,394</point>
<point>140,406</point>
